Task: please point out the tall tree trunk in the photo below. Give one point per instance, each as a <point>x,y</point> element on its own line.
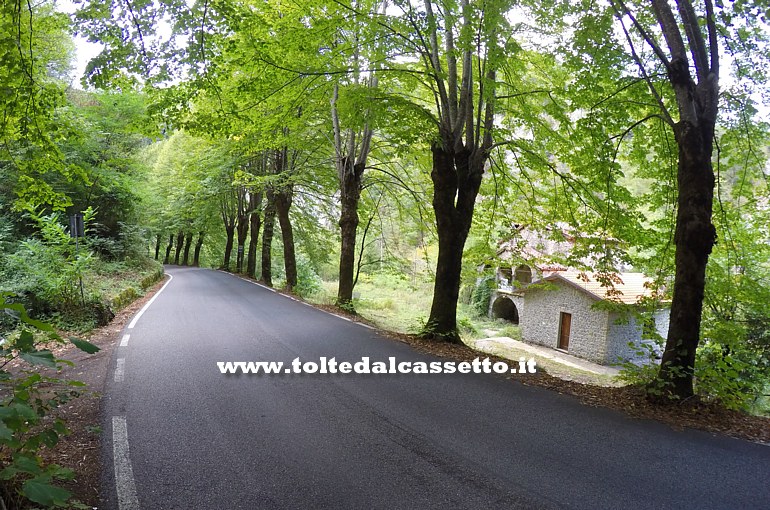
<point>465,107</point>
<point>255,221</point>
<point>456,180</point>
<point>696,88</point>
<point>168,248</point>
<point>350,190</point>
<point>242,230</point>
<point>283,200</point>
<point>230,231</point>
<point>197,253</point>
<point>187,243</point>
<point>179,245</point>
<point>157,246</point>
<point>694,238</point>
<point>267,240</point>
<point>350,163</point>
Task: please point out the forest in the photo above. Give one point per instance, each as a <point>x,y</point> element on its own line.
<point>375,155</point>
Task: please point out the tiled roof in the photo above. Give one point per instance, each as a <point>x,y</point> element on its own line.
<point>627,287</point>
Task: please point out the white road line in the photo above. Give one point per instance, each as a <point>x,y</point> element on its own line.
<point>120,370</point>
<point>124,474</point>
<point>147,305</point>
<point>124,341</point>
<point>260,285</point>
<point>297,300</point>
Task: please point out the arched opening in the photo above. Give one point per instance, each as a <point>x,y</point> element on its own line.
<point>523,274</point>
<point>503,308</point>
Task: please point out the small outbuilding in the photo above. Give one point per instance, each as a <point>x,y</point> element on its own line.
<point>560,312</point>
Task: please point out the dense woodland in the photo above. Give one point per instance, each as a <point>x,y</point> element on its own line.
<point>302,143</point>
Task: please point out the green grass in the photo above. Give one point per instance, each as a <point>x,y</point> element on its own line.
<point>118,283</point>
<point>395,303</point>
<point>400,304</point>
<point>388,301</point>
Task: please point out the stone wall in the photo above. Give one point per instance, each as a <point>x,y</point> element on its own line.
<point>620,333</point>
<point>539,320</point>
<point>662,318</point>
<point>623,328</point>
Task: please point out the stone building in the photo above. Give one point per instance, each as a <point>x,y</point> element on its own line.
<point>559,312</point>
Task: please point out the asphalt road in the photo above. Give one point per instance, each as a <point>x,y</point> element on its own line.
<point>197,439</point>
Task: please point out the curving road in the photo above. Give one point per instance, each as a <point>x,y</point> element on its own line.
<point>182,435</point>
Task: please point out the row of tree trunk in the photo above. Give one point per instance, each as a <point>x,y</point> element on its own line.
<point>182,240</point>
<point>244,215</point>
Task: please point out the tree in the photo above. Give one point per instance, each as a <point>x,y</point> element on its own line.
<point>688,49</point>
<point>460,55</point>
<point>36,51</point>
<point>647,99</point>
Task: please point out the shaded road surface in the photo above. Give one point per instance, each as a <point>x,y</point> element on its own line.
<point>198,439</point>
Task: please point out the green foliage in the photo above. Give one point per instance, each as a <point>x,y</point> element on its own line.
<point>580,140</point>
<point>29,399</point>
<point>466,327</point>
<point>47,269</point>
<point>35,49</point>
<point>308,281</point>
<point>482,293</point>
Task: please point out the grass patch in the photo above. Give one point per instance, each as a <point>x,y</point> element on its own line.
<point>390,302</point>
<point>119,284</point>
<point>400,304</point>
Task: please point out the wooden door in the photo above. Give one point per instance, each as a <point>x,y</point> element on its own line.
<point>565,324</point>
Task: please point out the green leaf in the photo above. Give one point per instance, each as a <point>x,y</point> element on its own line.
<point>44,357</point>
<point>26,341</point>
<point>41,491</point>
<point>21,464</point>
<point>23,411</point>
<point>6,434</point>
<point>84,345</point>
<point>42,326</point>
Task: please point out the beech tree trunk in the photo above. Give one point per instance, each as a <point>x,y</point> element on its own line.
<point>197,253</point>
<point>267,240</point>
<point>465,108</point>
<point>243,232</point>
<point>168,248</point>
<point>157,246</point>
<point>283,201</point>
<point>695,84</point>
<point>350,190</point>
<point>230,231</point>
<point>694,238</point>
<point>255,220</point>
<point>456,180</point>
<point>179,245</point>
<point>241,228</point>
<point>187,243</point>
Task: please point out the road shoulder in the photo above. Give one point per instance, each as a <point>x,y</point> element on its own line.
<point>81,449</point>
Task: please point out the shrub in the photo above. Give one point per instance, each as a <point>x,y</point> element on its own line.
<point>47,270</point>
<point>482,294</point>
<point>308,281</point>
<point>26,424</point>
<point>466,327</point>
